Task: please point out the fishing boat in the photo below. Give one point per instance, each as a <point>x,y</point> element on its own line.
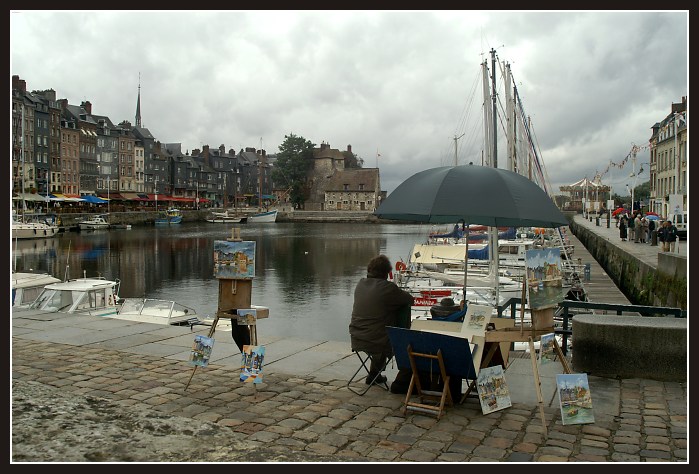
<point>171,216</point>
<point>269,216</point>
<point>157,311</point>
<point>98,222</point>
<point>222,217</point>
<point>26,286</point>
<point>96,296</point>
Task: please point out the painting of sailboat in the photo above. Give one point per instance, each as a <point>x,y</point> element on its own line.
<point>575,399</point>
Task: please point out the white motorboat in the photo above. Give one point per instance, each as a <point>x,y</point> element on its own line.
<point>97,296</point>
<point>33,230</point>
<point>148,310</point>
<point>26,286</point>
<point>269,216</point>
<point>94,223</point>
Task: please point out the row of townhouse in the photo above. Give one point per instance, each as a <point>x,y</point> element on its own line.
<point>60,148</point>
<point>669,162</point>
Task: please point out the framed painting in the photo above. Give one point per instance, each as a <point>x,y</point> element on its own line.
<point>234,259</point>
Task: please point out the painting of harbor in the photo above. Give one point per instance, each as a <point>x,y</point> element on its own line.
<point>492,389</point>
<point>234,260</point>
<point>544,278</point>
<point>547,352</point>
<point>575,399</point>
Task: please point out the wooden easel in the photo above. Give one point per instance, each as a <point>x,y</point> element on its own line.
<point>540,318</point>
<point>233,294</point>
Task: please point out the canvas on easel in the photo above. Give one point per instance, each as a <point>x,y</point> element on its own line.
<point>575,399</point>
<point>234,259</point>
<point>492,389</point>
<point>544,278</point>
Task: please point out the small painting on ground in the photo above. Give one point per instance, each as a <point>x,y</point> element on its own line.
<point>575,399</point>
<point>492,389</point>
<point>201,350</point>
<point>251,364</point>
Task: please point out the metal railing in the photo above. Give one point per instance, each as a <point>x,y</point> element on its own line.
<point>565,316</point>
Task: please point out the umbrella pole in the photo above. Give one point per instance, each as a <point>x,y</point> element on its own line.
<point>466,262</point>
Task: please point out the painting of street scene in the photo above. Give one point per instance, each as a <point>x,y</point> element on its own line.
<point>544,278</point>
<point>251,364</point>
<point>547,351</point>
<point>201,350</point>
<point>234,260</point>
<point>492,389</point>
<point>575,399</point>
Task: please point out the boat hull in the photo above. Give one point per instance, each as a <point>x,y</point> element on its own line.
<point>270,216</point>
<point>33,231</point>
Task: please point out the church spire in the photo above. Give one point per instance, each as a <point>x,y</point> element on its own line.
<point>138,103</point>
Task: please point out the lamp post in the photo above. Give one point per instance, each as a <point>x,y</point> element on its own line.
<point>156,194</point>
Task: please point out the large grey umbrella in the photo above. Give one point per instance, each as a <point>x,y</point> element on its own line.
<point>475,194</point>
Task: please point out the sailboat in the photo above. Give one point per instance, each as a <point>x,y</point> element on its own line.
<point>266,216</point>
<point>220,217</point>
<point>489,285</point>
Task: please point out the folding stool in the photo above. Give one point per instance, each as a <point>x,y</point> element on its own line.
<point>365,358</point>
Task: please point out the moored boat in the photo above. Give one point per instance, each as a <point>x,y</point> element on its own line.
<point>269,216</point>
<point>26,286</point>
<point>222,217</point>
<point>97,296</point>
<point>171,216</point>
<point>97,222</point>
<point>157,311</point>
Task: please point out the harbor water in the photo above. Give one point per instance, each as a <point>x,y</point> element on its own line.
<point>305,273</point>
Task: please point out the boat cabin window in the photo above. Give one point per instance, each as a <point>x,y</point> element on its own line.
<point>52,300</point>
<point>28,295</point>
<point>94,299</point>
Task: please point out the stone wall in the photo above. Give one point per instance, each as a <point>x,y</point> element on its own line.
<point>642,284</point>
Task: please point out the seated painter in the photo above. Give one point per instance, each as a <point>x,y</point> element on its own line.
<point>378,303</point>
<point>447,310</point>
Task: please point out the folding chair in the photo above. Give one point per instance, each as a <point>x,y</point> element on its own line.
<point>365,360</point>
<point>419,350</point>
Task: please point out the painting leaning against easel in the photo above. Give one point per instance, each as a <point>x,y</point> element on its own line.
<point>492,389</point>
<point>575,399</point>
<point>201,350</point>
<point>547,351</point>
<point>251,364</point>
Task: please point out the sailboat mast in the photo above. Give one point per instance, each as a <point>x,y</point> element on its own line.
<point>495,113</point>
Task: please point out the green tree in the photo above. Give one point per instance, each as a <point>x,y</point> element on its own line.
<point>290,171</point>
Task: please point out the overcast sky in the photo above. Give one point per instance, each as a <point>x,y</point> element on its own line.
<point>400,85</point>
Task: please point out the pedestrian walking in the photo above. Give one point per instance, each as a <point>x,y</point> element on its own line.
<point>623,234</point>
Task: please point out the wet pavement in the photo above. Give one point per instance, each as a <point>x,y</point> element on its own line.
<point>89,389</point>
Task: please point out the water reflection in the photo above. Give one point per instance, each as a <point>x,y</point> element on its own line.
<point>305,272</point>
